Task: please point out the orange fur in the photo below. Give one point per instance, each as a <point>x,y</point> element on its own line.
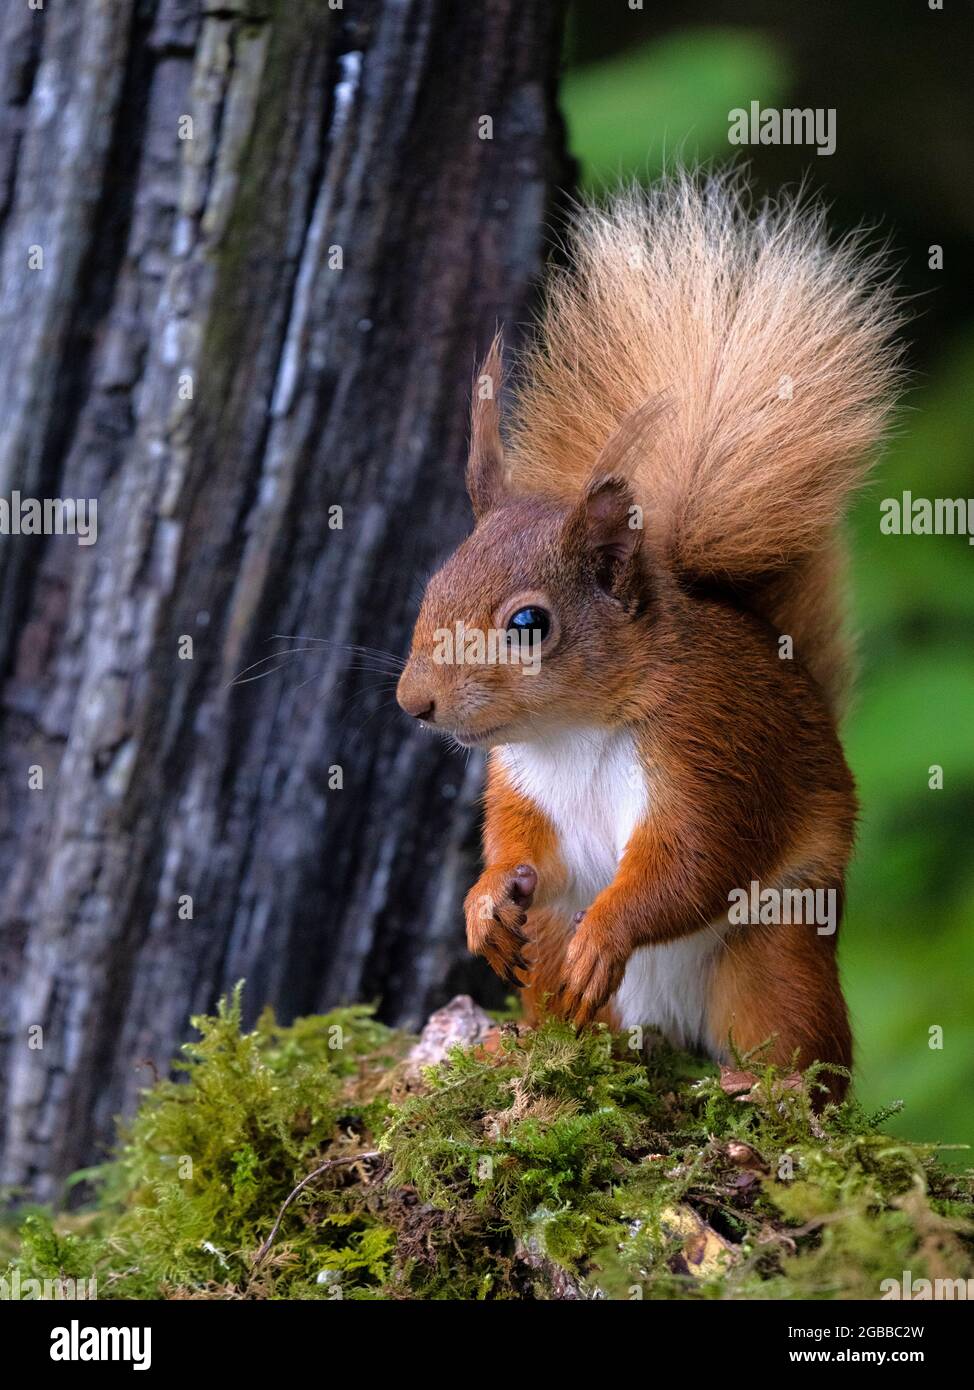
<point>769,984</point>
<point>680,296</point>
<point>667,752</point>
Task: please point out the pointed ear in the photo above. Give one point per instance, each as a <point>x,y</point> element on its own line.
<point>485,465</point>
<point>606,524</point>
<point>630,441</point>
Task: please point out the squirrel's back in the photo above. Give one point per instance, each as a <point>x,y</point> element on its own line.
<point>766,362</point>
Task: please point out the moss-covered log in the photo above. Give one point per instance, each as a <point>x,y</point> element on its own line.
<point>331,1159</point>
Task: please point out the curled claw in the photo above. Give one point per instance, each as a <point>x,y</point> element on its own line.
<point>585,1010</point>
<point>511,964</point>
<point>516,927</point>
<point>497,913</point>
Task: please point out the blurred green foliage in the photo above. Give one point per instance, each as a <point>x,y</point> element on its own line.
<point>908,937</point>
<point>631,115</point>
<point>908,950</point>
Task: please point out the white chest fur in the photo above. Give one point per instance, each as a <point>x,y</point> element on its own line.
<point>592,786</point>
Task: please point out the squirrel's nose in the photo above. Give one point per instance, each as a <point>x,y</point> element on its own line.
<point>419,706</point>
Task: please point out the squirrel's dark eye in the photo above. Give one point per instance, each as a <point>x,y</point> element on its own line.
<point>531,620</point>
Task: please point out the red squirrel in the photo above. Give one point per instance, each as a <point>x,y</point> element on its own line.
<point>702,395</point>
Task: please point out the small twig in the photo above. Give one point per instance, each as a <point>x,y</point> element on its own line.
<point>315,1173</point>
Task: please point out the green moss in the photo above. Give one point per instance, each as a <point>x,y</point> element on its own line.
<point>635,1174</point>
<point>202,1169</point>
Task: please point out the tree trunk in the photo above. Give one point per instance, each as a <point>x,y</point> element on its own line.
<point>251,340</point>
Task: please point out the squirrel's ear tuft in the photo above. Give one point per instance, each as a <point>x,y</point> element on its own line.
<point>626,447</point>
<point>606,521</point>
<point>607,525</point>
<point>485,466</point>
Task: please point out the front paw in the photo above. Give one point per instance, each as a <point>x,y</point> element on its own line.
<point>593,971</point>
<point>496,910</point>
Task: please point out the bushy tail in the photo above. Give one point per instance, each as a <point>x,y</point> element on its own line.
<point>771,354</point>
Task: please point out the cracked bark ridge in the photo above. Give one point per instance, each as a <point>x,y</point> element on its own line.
<point>192,356</point>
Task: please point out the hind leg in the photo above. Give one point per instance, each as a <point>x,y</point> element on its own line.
<point>781,981</point>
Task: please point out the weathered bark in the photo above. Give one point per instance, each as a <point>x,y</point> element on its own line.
<point>208,265</point>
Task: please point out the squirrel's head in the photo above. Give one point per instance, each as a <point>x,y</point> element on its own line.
<point>536,621</point>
